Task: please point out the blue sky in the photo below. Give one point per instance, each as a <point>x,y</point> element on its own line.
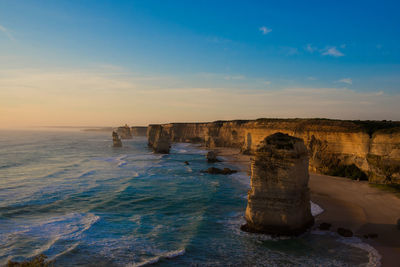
<point>241,46</point>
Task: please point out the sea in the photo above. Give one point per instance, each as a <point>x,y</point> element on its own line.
<point>68,194</point>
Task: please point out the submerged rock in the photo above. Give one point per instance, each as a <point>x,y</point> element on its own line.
<point>211,157</point>
<point>116,140</point>
<point>279,198</point>
<point>345,232</point>
<point>186,163</point>
<point>224,171</point>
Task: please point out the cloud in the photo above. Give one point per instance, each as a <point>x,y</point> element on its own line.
<point>310,48</point>
<point>6,32</point>
<point>345,80</point>
<point>311,78</point>
<point>267,82</point>
<point>235,77</point>
<point>101,96</point>
<point>331,51</point>
<point>264,30</point>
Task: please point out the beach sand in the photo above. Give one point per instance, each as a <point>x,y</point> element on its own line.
<point>349,204</point>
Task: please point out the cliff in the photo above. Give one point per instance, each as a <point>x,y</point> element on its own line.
<point>344,148</point>
<point>279,198</point>
<point>139,130</point>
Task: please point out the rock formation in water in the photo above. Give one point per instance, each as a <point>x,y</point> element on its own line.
<point>159,139</point>
<point>279,198</point>
<point>357,149</point>
<point>116,140</point>
<point>124,132</point>
<point>211,157</point>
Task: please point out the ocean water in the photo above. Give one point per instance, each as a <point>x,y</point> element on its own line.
<point>73,197</point>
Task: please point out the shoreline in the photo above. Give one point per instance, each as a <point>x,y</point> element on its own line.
<point>349,204</point>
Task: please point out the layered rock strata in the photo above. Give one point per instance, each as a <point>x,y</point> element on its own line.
<point>372,147</point>
<point>279,198</point>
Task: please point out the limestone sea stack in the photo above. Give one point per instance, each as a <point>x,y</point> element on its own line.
<point>124,132</point>
<point>116,140</point>
<point>279,198</point>
<point>159,140</point>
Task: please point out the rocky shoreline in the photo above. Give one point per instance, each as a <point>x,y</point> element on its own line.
<point>356,149</point>
<point>348,204</point>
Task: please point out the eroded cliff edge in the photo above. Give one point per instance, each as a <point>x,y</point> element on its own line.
<point>370,148</point>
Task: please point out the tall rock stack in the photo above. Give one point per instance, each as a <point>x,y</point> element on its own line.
<point>159,139</point>
<point>279,198</point>
<point>124,132</point>
<point>116,140</point>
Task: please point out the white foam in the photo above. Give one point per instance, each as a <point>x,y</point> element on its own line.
<point>374,258</point>
<point>67,227</point>
<point>373,255</point>
<point>71,248</point>
<point>316,209</point>
<point>152,260</point>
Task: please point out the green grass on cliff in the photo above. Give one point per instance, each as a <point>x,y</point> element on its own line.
<point>392,188</point>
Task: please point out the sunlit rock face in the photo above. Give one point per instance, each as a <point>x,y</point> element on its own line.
<point>373,147</point>
<point>279,198</point>
<point>116,140</point>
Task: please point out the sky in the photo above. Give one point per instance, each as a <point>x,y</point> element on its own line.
<point>107,63</point>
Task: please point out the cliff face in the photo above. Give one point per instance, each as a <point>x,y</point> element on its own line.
<point>372,148</point>
<point>139,130</point>
<point>279,198</point>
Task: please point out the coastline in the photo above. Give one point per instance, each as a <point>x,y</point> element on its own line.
<point>349,204</point>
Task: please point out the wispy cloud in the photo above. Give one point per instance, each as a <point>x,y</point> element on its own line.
<point>99,97</point>
<point>267,82</point>
<point>331,51</point>
<point>345,80</point>
<point>6,32</point>
<point>310,48</point>
<point>265,30</point>
<point>235,77</point>
<point>311,78</point>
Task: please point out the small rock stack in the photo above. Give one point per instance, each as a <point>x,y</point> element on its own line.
<point>116,140</point>
<point>279,198</point>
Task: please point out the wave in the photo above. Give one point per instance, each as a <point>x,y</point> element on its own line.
<point>166,255</point>
<point>374,258</point>
<point>71,248</point>
<point>68,228</point>
<point>86,173</point>
<point>373,255</point>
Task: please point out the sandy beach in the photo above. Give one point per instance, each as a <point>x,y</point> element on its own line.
<point>349,204</point>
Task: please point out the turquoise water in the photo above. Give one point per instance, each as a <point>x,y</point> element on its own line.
<point>73,197</point>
